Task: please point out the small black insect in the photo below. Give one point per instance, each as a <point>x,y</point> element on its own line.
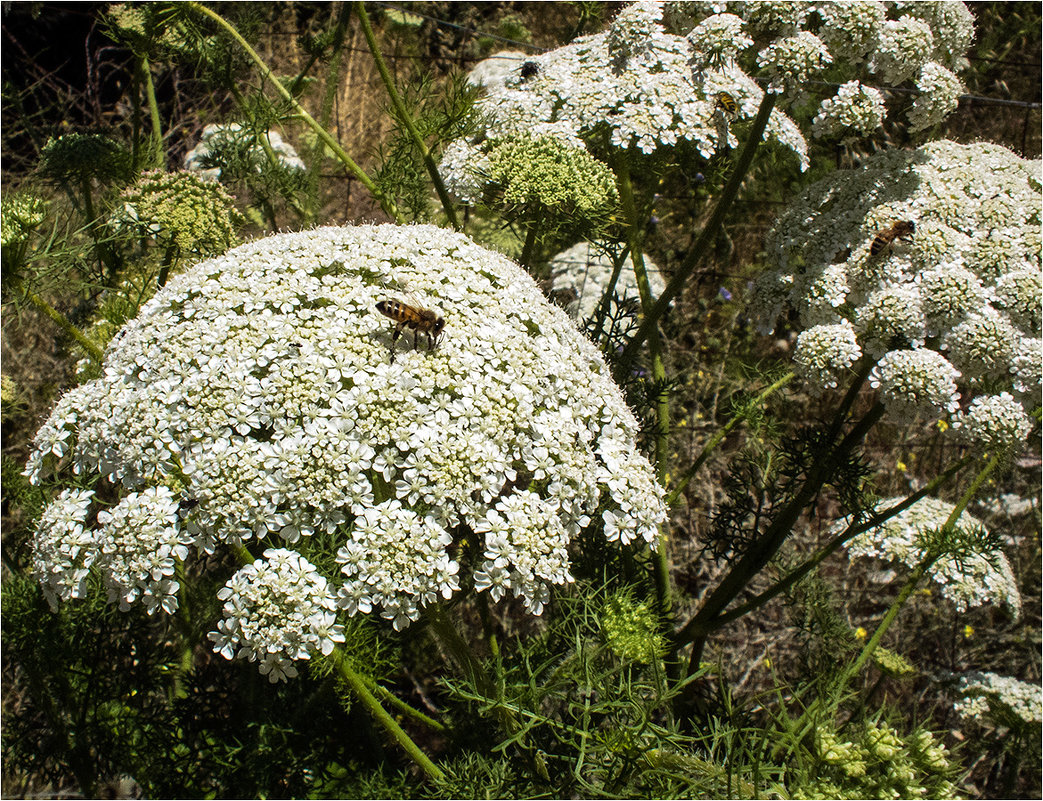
<point>529,69</point>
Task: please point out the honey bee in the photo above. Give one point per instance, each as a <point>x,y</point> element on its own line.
<point>416,318</point>
<point>901,229</point>
<point>727,102</point>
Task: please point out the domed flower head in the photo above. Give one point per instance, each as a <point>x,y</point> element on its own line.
<point>970,572</point>
<point>180,210</point>
<point>895,249</point>
<point>269,391</point>
<point>939,94</point>
<point>854,108</point>
<point>277,610</point>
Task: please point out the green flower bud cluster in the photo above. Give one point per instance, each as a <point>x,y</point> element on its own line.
<point>630,630</point>
<point>182,210</point>
<point>77,157</point>
<point>20,215</point>
<point>878,762</point>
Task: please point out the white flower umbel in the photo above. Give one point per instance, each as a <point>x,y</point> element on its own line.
<point>277,610</point>
<point>220,143</point>
<point>996,422</point>
<point>967,578</point>
<point>264,383</point>
<point>854,109</point>
<point>825,353</point>
<point>957,299</point>
<point>141,544</point>
<point>792,61</point>
<point>1002,698</point>
<point>904,46</point>
<point>495,70</point>
<point>939,96</point>
<point>583,272</point>
<point>63,551</point>
<point>851,29</point>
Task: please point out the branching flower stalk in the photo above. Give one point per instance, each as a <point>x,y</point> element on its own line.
<point>707,619</point>
<point>386,203</point>
<point>403,115</point>
<point>369,701</point>
<point>837,542</point>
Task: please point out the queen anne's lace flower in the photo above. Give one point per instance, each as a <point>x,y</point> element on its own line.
<point>792,61</point>
<point>931,306</point>
<point>495,70</point>
<point>582,275</point>
<point>968,579</point>
<point>850,29</point>
<point>952,28</point>
<point>905,45</point>
<point>917,381</point>
<point>220,145</point>
<point>261,385</point>
<point>141,543</point>
<point>717,40</point>
<point>277,610</point>
<point>939,96</point>
<point>1000,698</point>
<point>63,551</point>
<point>632,87</point>
<point>995,422</point>
<point>854,108</point>
<point>824,354</point>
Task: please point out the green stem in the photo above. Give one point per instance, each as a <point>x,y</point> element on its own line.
<point>606,298</point>
<point>405,118</point>
<point>386,203</point>
<point>530,241</point>
<point>156,159</point>
<point>372,705</point>
<point>706,238</point>
<point>635,242</point>
<point>332,84</point>
<point>403,707</point>
<point>716,440</point>
<point>93,351</point>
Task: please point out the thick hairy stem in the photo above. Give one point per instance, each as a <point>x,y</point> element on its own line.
<point>406,119</point>
<point>156,159</point>
<point>706,238</point>
<point>386,203</point>
<point>380,715</point>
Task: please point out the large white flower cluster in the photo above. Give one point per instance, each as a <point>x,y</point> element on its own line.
<point>632,86</point>
<point>951,308</point>
<point>583,272</point>
<point>263,389</point>
<point>966,578</point>
<point>989,695</point>
<point>220,143</point>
